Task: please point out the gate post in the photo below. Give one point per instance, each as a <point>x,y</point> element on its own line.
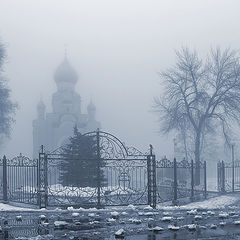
<point>192,181</point>
<point>98,171</point>
<point>175,182</point>
<point>205,179</point>
<point>45,181</point>
<point>223,177</point>
<point>42,179</point>
<point>5,195</point>
<point>233,168</point>
<point>218,177</point>
<point>151,170</point>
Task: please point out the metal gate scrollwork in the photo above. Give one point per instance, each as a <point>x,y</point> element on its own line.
<point>126,176</point>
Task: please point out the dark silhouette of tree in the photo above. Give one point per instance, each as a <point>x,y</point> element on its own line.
<point>7,107</point>
<point>200,95</point>
<point>79,167</point>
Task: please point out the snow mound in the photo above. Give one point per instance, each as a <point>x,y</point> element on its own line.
<point>219,202</point>
<point>192,227</point>
<point>173,228</point>
<point>166,219</point>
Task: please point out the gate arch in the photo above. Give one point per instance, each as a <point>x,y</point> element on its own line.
<point>125,172</point>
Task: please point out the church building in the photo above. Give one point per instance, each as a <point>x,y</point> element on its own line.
<point>53,129</point>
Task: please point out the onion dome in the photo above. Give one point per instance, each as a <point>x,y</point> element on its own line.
<point>65,72</point>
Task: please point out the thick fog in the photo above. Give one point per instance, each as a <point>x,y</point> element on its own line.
<point>117,48</point>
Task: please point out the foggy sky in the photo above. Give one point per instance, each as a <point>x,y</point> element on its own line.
<point>117,48</point>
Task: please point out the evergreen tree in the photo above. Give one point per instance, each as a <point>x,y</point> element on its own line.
<point>79,167</point>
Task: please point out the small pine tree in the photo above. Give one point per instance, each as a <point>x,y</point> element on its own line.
<point>79,167</point>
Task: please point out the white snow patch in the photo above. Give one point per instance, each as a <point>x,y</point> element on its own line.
<point>7,207</point>
<point>158,229</point>
<point>198,217</point>
<point>213,203</point>
<point>166,219</point>
<point>223,215</point>
<point>219,202</point>
<point>174,228</point>
<point>148,214</point>
<point>192,227</point>
<point>131,207</point>
<point>19,218</point>
<point>91,214</point>
<point>222,224</point>
<point>192,212</point>
<point>135,220</point>
<point>70,208</point>
<point>114,214</point>
<point>60,223</point>
<point>148,208</point>
<point>211,213</point>
<point>166,213</point>
<point>120,232</point>
<point>75,214</point>
<point>111,220</point>
<point>213,226</point>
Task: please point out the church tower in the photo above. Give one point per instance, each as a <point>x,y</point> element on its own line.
<point>53,129</point>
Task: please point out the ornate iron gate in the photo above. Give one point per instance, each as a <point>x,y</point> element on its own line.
<point>128,173</point>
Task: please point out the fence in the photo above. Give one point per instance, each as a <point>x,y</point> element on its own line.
<point>175,180</point>
<point>19,179</point>
<point>228,175</point>
<point>129,177</point>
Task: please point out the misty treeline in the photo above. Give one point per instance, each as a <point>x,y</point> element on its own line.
<point>201,98</point>
<point>7,106</point>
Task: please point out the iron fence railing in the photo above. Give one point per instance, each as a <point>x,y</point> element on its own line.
<point>130,177</point>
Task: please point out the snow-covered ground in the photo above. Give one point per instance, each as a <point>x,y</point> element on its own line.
<point>219,202</point>
<point>212,203</point>
<point>212,184</point>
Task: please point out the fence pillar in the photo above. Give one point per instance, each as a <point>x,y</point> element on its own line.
<point>45,180</point>
<point>5,195</point>
<point>233,168</point>
<point>205,179</point>
<point>223,177</point>
<point>152,186</point>
<point>98,171</point>
<point>218,176</point>
<point>192,180</point>
<point>42,179</point>
<point>175,182</point>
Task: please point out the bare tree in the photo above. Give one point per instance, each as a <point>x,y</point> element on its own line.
<point>7,107</point>
<point>198,95</point>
